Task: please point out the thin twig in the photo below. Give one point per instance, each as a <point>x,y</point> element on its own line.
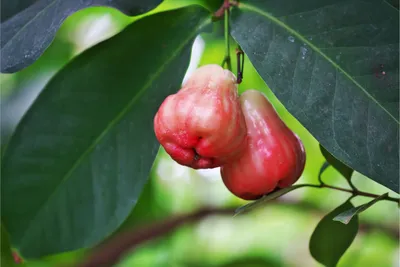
<point>227,4</point>
<point>355,193</point>
<point>354,190</point>
<point>109,253</point>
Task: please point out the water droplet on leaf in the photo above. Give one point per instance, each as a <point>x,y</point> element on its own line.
<point>291,39</point>
<point>303,51</point>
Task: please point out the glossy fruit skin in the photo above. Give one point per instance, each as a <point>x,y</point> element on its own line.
<point>202,125</point>
<point>274,157</point>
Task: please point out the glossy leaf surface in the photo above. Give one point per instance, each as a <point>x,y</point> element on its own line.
<point>335,67</point>
<point>78,160</point>
<point>29,26</point>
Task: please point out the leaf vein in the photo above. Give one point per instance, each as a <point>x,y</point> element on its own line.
<point>275,20</point>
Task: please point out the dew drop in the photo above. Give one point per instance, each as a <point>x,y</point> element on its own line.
<point>291,39</point>
<point>303,51</point>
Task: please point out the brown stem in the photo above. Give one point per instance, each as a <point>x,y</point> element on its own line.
<point>361,193</point>
<point>226,5</point>
<point>111,252</point>
<point>354,192</point>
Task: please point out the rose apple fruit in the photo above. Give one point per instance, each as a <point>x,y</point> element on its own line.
<point>274,156</point>
<point>202,125</point>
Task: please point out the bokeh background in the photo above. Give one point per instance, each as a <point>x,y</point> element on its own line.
<point>276,234</point>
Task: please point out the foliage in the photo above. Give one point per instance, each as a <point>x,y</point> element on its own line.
<point>93,157</point>
<point>331,239</point>
<point>308,53</point>
<point>80,158</point>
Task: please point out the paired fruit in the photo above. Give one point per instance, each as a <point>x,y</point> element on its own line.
<point>207,125</point>
<point>202,125</point>
<point>274,156</point>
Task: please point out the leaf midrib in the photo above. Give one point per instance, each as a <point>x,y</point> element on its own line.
<point>113,122</point>
<point>275,20</point>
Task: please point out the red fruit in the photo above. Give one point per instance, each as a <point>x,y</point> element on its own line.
<point>274,156</point>
<point>202,126</point>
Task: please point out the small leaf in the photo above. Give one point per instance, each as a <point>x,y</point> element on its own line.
<point>346,216</point>
<point>266,198</point>
<point>77,162</point>
<point>334,65</point>
<point>337,164</point>
<point>28,27</point>
<point>331,239</point>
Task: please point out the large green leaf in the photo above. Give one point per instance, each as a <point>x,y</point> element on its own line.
<point>77,162</point>
<point>28,26</point>
<point>331,239</point>
<point>335,67</point>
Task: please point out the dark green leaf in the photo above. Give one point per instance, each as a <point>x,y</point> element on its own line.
<point>77,162</point>
<point>337,164</point>
<point>266,198</point>
<point>394,3</point>
<point>6,255</point>
<point>23,92</point>
<point>335,67</point>
<point>331,239</point>
<point>347,215</point>
<point>28,26</point>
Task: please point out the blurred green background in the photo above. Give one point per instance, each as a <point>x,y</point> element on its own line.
<point>274,235</point>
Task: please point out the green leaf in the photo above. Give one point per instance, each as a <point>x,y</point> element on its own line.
<point>266,198</point>
<point>6,254</point>
<point>78,161</point>
<point>331,239</point>
<point>337,164</point>
<point>325,60</point>
<point>29,26</point>
<point>346,216</point>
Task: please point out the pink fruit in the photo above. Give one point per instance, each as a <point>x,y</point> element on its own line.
<point>274,157</point>
<point>202,125</point>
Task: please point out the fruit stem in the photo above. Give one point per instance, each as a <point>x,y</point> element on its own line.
<point>227,58</point>
<point>240,64</point>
